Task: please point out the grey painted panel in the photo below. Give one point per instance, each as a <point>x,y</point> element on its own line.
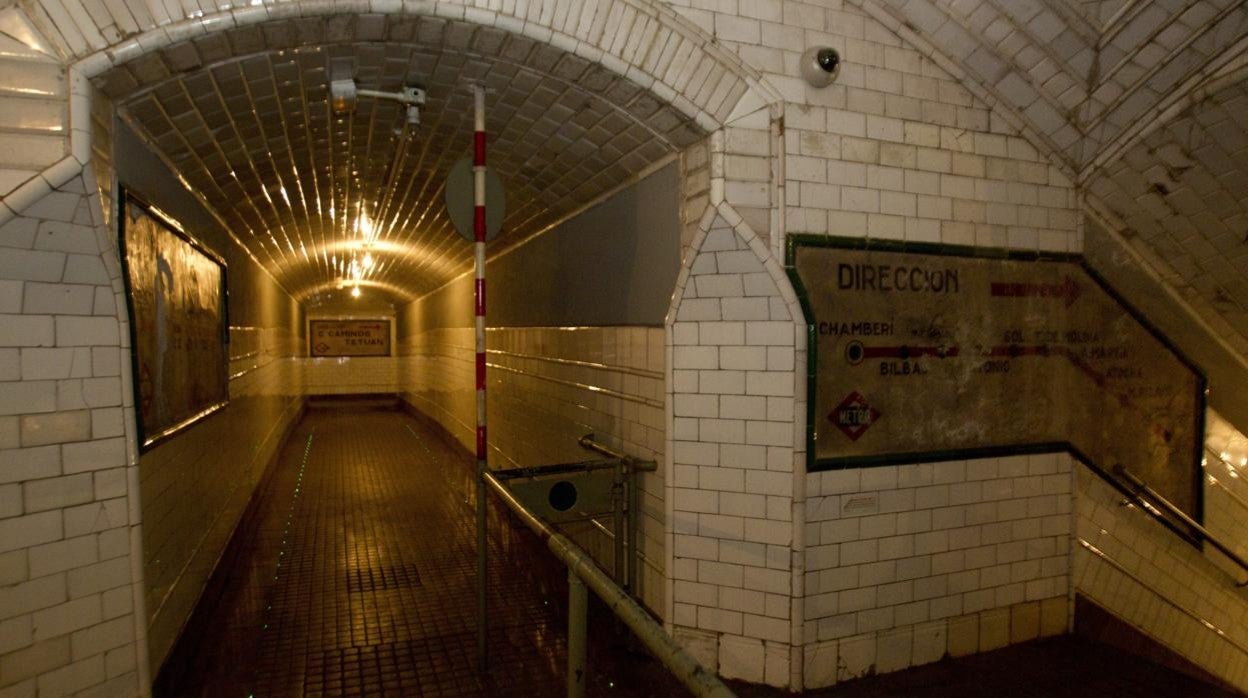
<point>615,264</point>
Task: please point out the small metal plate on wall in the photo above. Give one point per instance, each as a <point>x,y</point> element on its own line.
<point>566,496</point>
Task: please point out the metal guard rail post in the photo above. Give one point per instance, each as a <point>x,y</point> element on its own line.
<point>1141,489</point>
<point>627,469</point>
<point>581,568</point>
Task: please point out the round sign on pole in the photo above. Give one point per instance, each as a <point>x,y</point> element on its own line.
<point>459,200</point>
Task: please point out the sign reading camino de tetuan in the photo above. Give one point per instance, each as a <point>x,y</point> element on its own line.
<point>349,338</point>
<point>941,357</point>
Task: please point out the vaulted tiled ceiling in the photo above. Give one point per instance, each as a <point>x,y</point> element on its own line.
<point>1183,190</point>
<point>1080,75</point>
<point>1097,84</point>
<point>244,117</point>
<point>1139,101</point>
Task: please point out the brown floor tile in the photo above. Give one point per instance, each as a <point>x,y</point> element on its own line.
<point>359,579</point>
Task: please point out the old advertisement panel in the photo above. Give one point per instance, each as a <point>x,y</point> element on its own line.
<point>919,355</point>
<point>349,338</point>
<point>177,302</point>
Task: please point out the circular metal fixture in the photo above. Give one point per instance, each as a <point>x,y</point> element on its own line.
<point>820,65</point>
<point>562,496</point>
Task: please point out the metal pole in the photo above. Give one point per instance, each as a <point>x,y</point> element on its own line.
<point>634,525</point>
<point>478,229</point>
<point>578,621</point>
<point>617,521</point>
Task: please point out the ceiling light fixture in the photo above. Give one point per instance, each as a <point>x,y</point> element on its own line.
<point>344,95</point>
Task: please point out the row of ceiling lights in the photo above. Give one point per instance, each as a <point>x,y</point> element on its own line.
<point>343,96</point>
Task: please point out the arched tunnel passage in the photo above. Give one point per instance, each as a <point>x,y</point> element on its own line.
<point>327,216</point>
<point>999,160</point>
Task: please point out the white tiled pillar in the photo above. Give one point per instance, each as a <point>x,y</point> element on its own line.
<point>734,419</point>
<point>68,524</point>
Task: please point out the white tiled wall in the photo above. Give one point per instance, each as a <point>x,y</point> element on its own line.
<point>907,562</point>
<point>68,506</point>
<point>733,406</point>
<point>195,486</point>
<point>73,554</point>
<point>896,148</point>
<point>1171,588</point>
<point>547,387</point>
<point>1226,489</point>
<point>1166,587</point>
<point>336,375</point>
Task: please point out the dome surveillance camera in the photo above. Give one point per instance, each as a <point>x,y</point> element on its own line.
<point>820,66</point>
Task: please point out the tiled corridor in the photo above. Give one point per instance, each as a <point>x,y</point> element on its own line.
<point>357,578</point>
<point>359,575</point>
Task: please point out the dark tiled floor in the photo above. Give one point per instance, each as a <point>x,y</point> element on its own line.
<point>359,579</point>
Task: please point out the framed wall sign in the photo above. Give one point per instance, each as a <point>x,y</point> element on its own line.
<point>176,292</point>
<point>368,337</point>
<point>925,353</point>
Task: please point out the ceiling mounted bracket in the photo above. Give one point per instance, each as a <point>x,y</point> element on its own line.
<point>343,95</point>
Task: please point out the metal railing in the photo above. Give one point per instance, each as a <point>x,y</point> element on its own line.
<point>1143,493</point>
<point>627,469</point>
<point>582,572</point>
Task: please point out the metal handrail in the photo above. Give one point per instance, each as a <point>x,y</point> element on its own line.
<point>587,441</point>
<point>582,570</point>
<point>554,469</point>
<point>1169,601</point>
<point>1140,488</point>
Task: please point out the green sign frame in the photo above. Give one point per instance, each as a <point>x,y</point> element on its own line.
<point>796,242</point>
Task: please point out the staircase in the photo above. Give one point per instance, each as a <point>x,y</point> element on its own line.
<point>34,118</point>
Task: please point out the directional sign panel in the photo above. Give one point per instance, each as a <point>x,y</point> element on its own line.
<point>919,355</point>
<point>349,338</point>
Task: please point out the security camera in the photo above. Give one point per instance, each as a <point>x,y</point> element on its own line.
<point>820,66</point>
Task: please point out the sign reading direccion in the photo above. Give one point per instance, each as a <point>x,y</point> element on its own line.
<point>349,338</point>
<point>940,356</point>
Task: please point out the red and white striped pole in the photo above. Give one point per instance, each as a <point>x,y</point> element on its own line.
<point>478,229</point>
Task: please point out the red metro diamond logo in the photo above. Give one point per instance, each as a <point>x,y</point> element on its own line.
<point>853,416</point>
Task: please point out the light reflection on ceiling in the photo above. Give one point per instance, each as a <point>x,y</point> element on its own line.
<point>313,193</point>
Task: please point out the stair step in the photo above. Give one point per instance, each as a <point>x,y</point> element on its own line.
<point>30,78</point>
<point>20,38</point>
<point>26,151</point>
<point>37,116</point>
